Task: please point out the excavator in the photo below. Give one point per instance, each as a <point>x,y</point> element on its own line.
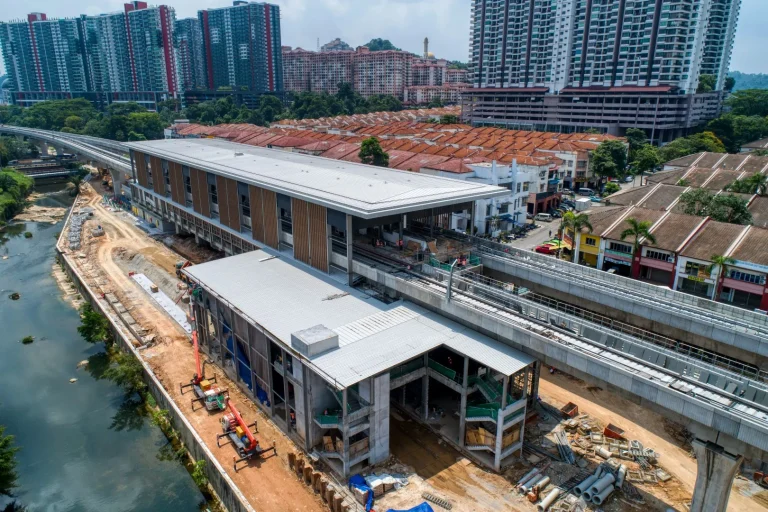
<point>240,436</point>
<point>181,265</point>
<point>206,391</point>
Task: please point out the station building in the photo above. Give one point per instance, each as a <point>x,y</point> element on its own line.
<point>326,360</point>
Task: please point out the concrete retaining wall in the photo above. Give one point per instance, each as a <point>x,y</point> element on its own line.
<point>227,491</point>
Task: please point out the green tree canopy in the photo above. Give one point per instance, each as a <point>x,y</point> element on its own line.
<point>8,475</point>
<point>372,154</point>
<point>638,230</point>
<point>94,327</point>
<point>449,119</point>
<point>736,130</point>
<point>749,102</point>
<point>707,83</point>
<point>636,139</point>
<point>683,146</point>
<point>755,184</point>
<point>722,207</point>
<point>378,45</point>
<point>646,159</point>
<point>609,160</point>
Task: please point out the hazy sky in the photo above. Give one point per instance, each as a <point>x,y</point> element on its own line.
<point>404,22</point>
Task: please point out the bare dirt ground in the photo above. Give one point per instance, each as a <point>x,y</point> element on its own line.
<point>649,428</point>
<point>268,484</point>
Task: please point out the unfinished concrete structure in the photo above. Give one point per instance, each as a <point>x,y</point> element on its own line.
<point>326,361</point>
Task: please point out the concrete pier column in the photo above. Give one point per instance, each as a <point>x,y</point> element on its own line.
<point>43,147</point>
<point>716,470</point>
<point>463,410</point>
<point>350,249</point>
<point>425,389</point>
<point>59,150</point>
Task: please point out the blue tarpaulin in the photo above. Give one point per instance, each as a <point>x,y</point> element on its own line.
<point>358,482</point>
<point>424,507</point>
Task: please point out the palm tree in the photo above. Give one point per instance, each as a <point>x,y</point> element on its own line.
<point>638,230</point>
<point>719,262</point>
<point>575,223</point>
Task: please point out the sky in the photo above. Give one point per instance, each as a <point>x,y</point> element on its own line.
<point>404,22</point>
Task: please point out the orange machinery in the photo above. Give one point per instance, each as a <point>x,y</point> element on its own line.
<point>206,390</point>
<point>240,436</point>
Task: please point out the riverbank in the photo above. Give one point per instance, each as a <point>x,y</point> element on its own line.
<point>82,446</point>
<point>15,188</point>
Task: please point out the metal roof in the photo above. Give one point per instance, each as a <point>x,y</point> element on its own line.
<point>361,190</point>
<point>285,297</point>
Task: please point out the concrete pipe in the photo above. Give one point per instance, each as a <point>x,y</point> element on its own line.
<point>621,476</point>
<point>601,484</point>
<point>602,452</point>
<point>526,486</point>
<point>587,496</point>
<point>587,483</point>
<point>549,500</point>
<point>599,499</point>
<point>541,484</point>
<point>527,476</point>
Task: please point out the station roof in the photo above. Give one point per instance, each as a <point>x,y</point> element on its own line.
<point>357,189</point>
<point>285,297</point>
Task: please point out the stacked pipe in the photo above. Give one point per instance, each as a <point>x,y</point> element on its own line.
<point>601,489</point>
<point>587,483</point>
<point>549,500</point>
<point>526,486</point>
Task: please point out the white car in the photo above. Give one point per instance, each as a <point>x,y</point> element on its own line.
<point>629,179</point>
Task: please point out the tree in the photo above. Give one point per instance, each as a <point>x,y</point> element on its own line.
<point>707,83</point>
<point>609,160</point>
<point>378,44</point>
<point>449,119</point>
<point>435,103</point>
<point>8,474</point>
<point>638,230</point>
<point>127,372</point>
<point>684,146</point>
<point>611,188</point>
<point>576,223</point>
<point>755,184</point>
<point>719,262</point>
<point>749,102</point>
<point>372,154</point>
<point>730,83</point>
<point>94,328</point>
<point>729,208</point>
<point>646,159</point>
<point>636,139</point>
<point>735,131</point>
<point>722,207</point>
<point>74,122</point>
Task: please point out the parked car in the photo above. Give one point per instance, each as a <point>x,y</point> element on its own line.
<point>544,249</point>
<point>595,199</point>
<point>529,216</point>
<point>629,179</point>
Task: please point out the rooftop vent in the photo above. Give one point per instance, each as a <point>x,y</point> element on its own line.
<point>314,341</point>
<point>238,153</point>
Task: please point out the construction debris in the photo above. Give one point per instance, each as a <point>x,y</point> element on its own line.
<point>437,501</point>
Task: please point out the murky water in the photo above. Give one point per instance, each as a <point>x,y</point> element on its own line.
<point>84,448</point>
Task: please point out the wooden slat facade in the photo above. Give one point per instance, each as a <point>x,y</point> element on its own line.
<point>270,218</point>
<point>158,180</point>
<point>234,205</point>
<point>300,217</point>
<point>257,213</point>
<point>221,189</point>
<point>177,183</point>
<point>141,169</point>
<point>197,203</point>
<point>318,237</point>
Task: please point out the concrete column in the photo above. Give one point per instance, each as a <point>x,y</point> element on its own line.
<point>716,470</point>
<point>425,389</point>
<point>601,254</point>
<point>345,431</point>
<point>463,410</point>
<point>43,147</point>
<point>525,381</point>
<point>536,376</point>
<point>576,247</point>
<point>350,242</point>
<point>59,150</point>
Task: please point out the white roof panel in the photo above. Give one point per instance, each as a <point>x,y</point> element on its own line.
<point>361,190</point>
<point>285,297</point>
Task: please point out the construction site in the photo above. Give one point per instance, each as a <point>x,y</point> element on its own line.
<point>354,347</point>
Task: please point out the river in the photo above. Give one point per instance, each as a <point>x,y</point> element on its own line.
<point>83,446</point>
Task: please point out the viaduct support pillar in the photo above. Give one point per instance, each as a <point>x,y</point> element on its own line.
<point>43,147</point>
<point>716,470</point>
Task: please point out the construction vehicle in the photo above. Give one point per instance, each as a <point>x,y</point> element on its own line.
<point>206,390</point>
<point>240,436</point>
<point>181,265</point>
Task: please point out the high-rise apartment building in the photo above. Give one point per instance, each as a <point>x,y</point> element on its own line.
<point>242,47</point>
<point>128,55</point>
<point>151,39</point>
<point>385,72</point>
<point>20,54</point>
<point>189,42</point>
<point>646,55</point>
<point>297,69</point>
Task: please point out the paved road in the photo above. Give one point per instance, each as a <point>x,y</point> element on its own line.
<point>538,235</point>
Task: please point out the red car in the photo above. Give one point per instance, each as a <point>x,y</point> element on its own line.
<point>545,249</point>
